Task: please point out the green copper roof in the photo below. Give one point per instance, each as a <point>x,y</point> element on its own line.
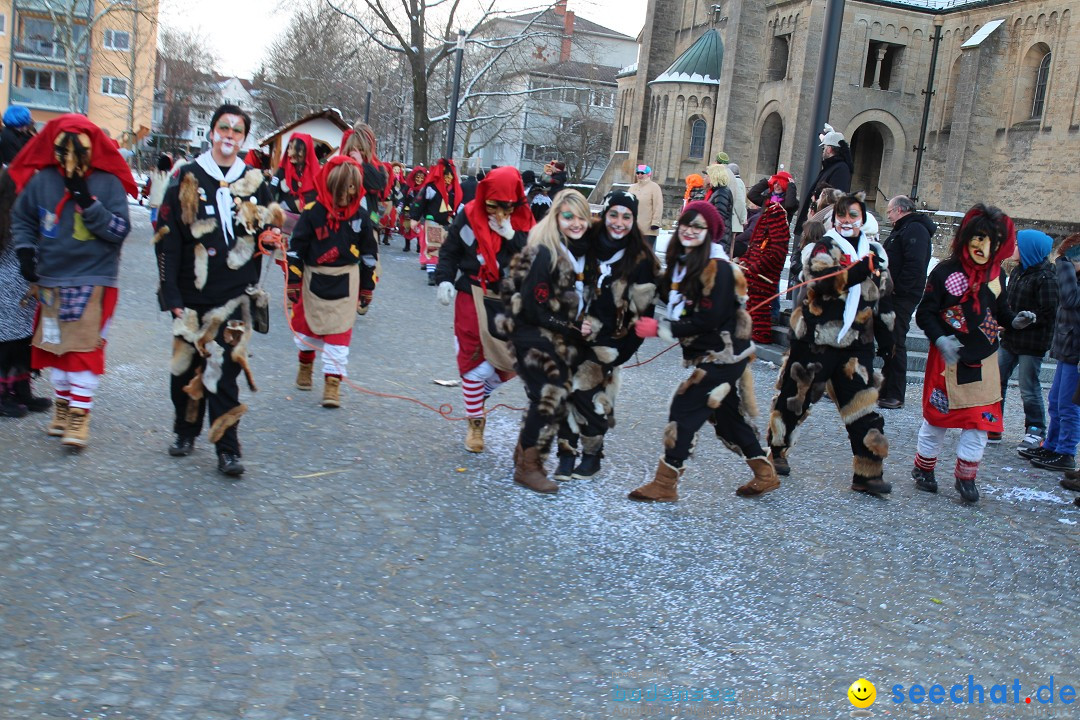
<point>701,63</point>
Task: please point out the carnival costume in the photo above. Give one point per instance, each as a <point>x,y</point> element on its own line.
<point>437,204</point>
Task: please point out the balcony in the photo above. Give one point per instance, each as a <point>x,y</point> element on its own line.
<point>82,9</point>
<point>39,50</point>
<point>44,99</point>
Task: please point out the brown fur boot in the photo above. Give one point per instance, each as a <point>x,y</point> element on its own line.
<point>662,486</point>
<point>474,435</point>
<point>765,479</point>
<point>303,376</point>
<point>331,393</point>
<point>58,425</point>
<point>77,434</point>
<point>529,470</point>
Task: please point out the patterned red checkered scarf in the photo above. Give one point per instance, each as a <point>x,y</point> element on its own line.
<point>975,274</point>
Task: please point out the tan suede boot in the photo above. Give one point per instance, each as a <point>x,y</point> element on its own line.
<point>765,479</point>
<point>474,435</point>
<point>58,425</point>
<point>331,394</point>
<point>77,434</point>
<point>529,471</point>
<point>662,486</point>
<point>303,376</point>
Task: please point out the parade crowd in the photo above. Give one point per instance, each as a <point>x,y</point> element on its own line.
<point>545,289</point>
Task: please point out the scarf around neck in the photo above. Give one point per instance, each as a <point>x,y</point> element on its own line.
<point>223,198</point>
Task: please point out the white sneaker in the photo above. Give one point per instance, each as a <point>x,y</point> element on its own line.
<point>1031,441</point>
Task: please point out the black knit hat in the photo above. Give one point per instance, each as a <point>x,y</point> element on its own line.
<point>618,198</point>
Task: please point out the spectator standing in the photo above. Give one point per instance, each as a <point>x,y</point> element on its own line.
<point>738,209</point>
<point>650,203</point>
<point>908,248</point>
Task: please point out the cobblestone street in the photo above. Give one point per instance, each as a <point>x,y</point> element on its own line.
<point>367,567</point>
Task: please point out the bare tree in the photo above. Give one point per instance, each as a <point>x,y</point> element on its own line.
<point>140,26</point>
<point>185,80</point>
<point>423,33</point>
<point>74,22</point>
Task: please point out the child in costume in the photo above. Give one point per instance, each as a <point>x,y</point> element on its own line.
<point>763,262</point>
<point>960,313</point>
<point>707,315</point>
<point>478,249</point>
<point>294,181</point>
<point>410,229</point>
<point>332,254</point>
<point>543,310</point>
<point>438,201</point>
<point>69,222</point>
<point>619,286</point>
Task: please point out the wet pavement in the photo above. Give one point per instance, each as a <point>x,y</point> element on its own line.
<point>366,566</point>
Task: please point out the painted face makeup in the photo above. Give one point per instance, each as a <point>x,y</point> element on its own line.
<point>619,221</point>
<point>571,225</point>
<point>979,249</point>
<point>692,235</point>
<point>228,134</point>
<point>849,222</point>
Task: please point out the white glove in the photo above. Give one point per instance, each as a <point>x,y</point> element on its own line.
<point>446,292</point>
<point>949,347</point>
<point>503,229</point>
<point>1023,319</point>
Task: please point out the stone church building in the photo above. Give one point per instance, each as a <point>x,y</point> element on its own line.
<point>739,75</point>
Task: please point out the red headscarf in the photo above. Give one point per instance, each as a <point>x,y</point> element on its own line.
<point>503,184</point>
<point>299,186</point>
<point>38,153</point>
<point>415,178</point>
<point>435,177</point>
<point>335,215</point>
<point>254,159</point>
<point>979,274</point>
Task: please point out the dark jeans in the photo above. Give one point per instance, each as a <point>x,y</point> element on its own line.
<point>895,370</point>
<point>1030,389</point>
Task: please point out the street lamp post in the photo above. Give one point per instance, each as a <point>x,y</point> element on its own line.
<point>830,46</point>
<point>452,125</point>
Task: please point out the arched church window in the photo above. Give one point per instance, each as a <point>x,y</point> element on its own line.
<point>697,139</point>
<point>1039,103</point>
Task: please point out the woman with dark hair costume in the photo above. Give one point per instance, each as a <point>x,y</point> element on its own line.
<point>960,313</point>
<point>618,287</point>
<point>707,315</point>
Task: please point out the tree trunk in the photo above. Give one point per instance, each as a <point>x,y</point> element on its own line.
<point>421,123</point>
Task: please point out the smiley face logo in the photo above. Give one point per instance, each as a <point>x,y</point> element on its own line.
<point>862,693</point>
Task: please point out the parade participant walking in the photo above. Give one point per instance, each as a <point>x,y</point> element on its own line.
<point>472,262</point>
<point>961,313</point>
<point>762,264</point>
<point>650,203</point>
<point>207,232</point>
<point>543,306</point>
<point>294,181</point>
<point>832,342</point>
<point>334,251</point>
<point>619,286</point>
<point>410,229</point>
<point>18,129</point>
<point>159,183</point>
<point>69,221</point>
<point>438,202</point>
<point>359,144</point>
<point>778,188</point>
<point>707,314</point>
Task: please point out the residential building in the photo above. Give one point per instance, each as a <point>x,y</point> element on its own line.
<point>114,69</point>
<point>191,132</point>
<point>559,99</point>
<point>1004,116</point>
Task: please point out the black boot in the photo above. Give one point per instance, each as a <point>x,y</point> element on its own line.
<point>182,446</point>
<point>10,407</point>
<point>967,490</point>
<point>431,278</point>
<point>588,467</point>
<point>229,464</point>
<point>25,397</point>
<point>565,469</point>
<point>924,479</point>
<point>407,243</point>
<point>871,486</point>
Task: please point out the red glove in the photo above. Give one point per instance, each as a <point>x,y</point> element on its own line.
<point>293,293</point>
<point>646,327</point>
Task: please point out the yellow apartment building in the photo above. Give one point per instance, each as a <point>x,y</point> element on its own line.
<point>115,81</point>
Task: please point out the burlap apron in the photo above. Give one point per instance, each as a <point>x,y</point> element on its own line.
<point>57,336</point>
<point>434,234</point>
<point>329,317</point>
<point>497,352</point>
<point>984,391</point>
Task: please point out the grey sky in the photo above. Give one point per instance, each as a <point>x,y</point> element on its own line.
<point>239,30</point>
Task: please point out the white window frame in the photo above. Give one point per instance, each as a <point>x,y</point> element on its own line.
<point>1,72</point>
<point>111,81</point>
<point>37,72</point>
<point>3,24</point>
<point>110,40</point>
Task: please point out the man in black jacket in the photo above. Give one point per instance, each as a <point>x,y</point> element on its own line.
<point>836,169</point>
<point>908,248</point>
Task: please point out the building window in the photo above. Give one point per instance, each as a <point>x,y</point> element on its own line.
<point>536,153</point>
<point>697,139</point>
<point>624,138</point>
<point>1,72</point>
<point>881,59</point>
<point>3,23</point>
<point>37,79</point>
<point>114,86</point>
<point>778,57</point>
<point>117,40</point>
<point>1039,104</point>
